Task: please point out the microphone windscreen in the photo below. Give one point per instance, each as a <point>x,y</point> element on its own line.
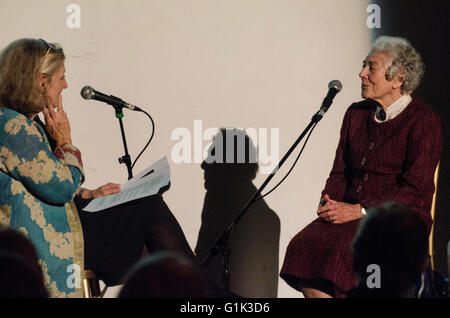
<point>87,92</point>
<point>335,84</point>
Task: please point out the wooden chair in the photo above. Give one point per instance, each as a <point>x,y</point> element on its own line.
<point>91,282</point>
<point>433,207</point>
<point>91,285</point>
<point>431,252</point>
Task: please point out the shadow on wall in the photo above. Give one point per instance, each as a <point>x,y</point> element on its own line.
<point>254,243</point>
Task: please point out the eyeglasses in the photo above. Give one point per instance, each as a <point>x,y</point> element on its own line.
<point>47,44</point>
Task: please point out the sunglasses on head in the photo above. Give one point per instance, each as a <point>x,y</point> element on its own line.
<point>48,45</point>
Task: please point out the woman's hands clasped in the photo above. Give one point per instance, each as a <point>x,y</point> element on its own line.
<point>56,122</point>
<point>335,212</point>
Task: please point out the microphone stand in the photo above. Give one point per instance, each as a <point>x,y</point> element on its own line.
<point>126,159</point>
<point>221,245</point>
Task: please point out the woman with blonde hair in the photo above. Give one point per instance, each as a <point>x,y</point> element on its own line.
<point>38,184</point>
<point>41,173</point>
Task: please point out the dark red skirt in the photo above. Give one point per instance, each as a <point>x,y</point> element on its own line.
<point>321,251</point>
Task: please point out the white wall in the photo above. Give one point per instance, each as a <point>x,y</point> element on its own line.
<point>233,63</point>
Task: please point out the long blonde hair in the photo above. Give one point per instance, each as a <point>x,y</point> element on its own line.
<point>21,64</point>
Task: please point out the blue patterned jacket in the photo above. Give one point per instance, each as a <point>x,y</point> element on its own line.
<point>36,191</point>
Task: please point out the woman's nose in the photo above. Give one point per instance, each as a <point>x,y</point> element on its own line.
<point>363,73</point>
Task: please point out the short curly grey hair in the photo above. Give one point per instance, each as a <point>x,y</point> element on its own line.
<point>406,61</point>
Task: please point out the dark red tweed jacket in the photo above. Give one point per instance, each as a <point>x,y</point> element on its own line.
<point>391,161</point>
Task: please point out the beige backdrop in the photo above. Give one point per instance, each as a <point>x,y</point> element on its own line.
<point>228,63</point>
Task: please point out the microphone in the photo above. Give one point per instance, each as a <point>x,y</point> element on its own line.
<point>88,92</point>
<point>334,87</point>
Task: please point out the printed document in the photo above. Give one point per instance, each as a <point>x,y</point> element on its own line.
<point>146,183</point>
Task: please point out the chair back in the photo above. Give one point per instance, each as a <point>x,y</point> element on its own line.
<point>433,206</point>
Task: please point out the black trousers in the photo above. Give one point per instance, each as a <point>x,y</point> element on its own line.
<point>114,238</point>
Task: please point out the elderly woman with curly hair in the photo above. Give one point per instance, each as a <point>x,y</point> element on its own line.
<point>389,148</point>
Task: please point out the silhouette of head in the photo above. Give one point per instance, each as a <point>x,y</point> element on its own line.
<point>395,238</point>
<point>14,241</point>
<point>231,157</point>
<point>165,275</point>
<point>20,273</point>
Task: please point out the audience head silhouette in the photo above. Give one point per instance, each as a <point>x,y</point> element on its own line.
<point>20,273</point>
<point>396,239</point>
<point>165,275</point>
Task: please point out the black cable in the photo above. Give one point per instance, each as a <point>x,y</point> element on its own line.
<point>148,143</point>
<point>293,165</point>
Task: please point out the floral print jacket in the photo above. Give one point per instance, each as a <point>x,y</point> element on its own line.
<point>36,191</point>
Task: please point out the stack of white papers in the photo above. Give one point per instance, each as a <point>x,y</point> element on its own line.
<point>146,183</point>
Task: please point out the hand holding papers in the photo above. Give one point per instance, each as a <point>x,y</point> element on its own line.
<point>146,183</point>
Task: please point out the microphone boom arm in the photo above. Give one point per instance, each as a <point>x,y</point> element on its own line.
<point>221,244</point>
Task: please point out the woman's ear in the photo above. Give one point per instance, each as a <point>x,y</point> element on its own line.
<point>42,81</point>
<point>398,81</point>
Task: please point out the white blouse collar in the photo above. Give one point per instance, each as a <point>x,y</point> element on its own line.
<point>395,108</point>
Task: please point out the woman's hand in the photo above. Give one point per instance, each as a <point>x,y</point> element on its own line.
<point>335,212</point>
<point>57,123</point>
<point>104,190</point>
